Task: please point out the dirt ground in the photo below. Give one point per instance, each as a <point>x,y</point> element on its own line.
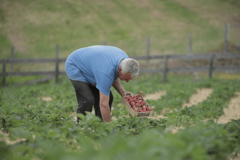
<point>238,157</point>
<point>198,97</point>
<point>4,137</point>
<point>45,98</point>
<point>233,110</point>
<point>155,96</point>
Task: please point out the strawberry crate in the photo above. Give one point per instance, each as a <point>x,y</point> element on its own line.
<point>136,105</point>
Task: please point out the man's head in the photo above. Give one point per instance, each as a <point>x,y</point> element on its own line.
<point>128,69</point>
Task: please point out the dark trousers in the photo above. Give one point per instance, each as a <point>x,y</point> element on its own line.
<point>87,97</point>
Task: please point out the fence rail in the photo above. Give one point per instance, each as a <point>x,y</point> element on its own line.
<point>208,68</point>
<point>174,56</point>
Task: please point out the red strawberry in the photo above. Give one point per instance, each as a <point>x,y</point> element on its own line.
<point>144,110</point>
<point>149,109</point>
<point>132,103</point>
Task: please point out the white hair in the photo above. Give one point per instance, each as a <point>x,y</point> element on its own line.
<point>130,65</point>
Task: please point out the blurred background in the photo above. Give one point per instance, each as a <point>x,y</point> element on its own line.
<point>34,28</point>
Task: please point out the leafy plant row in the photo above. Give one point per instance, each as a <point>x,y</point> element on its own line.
<point>46,130</point>
<point>211,108</point>
<point>204,141</point>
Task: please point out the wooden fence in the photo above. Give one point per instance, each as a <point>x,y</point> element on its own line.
<point>209,68</point>
<point>190,56</point>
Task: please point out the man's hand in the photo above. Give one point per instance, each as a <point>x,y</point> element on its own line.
<point>104,107</point>
<point>128,93</point>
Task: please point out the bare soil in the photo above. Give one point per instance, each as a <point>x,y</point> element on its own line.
<point>198,97</point>
<point>4,137</point>
<point>233,110</point>
<point>155,96</point>
<point>45,98</point>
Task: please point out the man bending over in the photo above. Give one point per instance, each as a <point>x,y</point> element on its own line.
<point>93,70</point>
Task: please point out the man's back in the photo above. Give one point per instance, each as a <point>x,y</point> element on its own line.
<point>96,65</point>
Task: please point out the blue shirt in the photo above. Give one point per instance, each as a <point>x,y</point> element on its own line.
<point>96,65</point>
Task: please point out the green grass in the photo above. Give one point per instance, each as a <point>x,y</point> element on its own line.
<point>19,79</point>
<point>37,26</point>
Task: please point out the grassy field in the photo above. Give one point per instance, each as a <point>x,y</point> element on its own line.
<point>35,27</point>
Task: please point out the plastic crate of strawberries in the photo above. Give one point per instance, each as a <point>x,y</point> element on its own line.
<point>136,105</point>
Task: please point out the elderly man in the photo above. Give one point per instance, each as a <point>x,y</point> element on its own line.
<point>93,70</point>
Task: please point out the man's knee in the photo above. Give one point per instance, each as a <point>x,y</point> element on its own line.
<point>86,105</point>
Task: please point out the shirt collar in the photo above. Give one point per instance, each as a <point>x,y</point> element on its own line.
<point>116,71</point>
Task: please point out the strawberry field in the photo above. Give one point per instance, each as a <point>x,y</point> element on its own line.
<point>33,128</point>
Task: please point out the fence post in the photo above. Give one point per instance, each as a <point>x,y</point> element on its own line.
<point>148,50</point>
<point>57,64</point>
<point>165,69</point>
<point>190,44</point>
<point>103,42</point>
<point>210,66</point>
<point>226,38</point>
<point>12,56</point>
<point>4,73</point>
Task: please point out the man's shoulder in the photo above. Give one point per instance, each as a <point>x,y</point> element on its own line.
<point>105,48</point>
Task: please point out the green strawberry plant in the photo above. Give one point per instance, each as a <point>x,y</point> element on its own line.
<point>46,130</point>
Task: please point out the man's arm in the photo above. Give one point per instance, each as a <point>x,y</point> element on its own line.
<point>104,107</point>
<point>118,86</point>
